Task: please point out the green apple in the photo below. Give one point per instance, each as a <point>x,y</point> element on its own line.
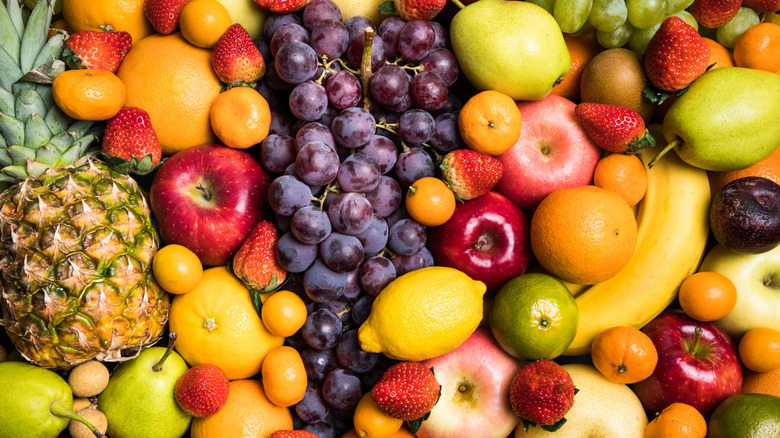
<point>513,47</point>
<point>757,277</point>
<point>364,8</point>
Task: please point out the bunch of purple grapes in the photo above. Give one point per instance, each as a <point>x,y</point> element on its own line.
<point>342,157</point>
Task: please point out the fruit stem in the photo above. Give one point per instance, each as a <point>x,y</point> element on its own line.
<point>696,341</point>
<point>171,339</point>
<point>458,4</point>
<point>206,193</point>
<point>58,408</point>
<point>672,144</point>
<point>365,65</point>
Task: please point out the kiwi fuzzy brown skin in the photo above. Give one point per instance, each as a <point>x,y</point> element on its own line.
<point>616,76</point>
<point>745,215</point>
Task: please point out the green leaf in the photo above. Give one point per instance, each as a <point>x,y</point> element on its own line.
<point>29,102</point>
<point>34,36</point>
<point>56,119</point>
<point>47,156</point>
<point>9,70</point>
<point>51,51</point>
<point>655,94</point>
<point>5,159</point>
<point>20,154</point>
<point>12,129</point>
<point>387,7</point>
<point>7,101</point>
<point>15,173</point>
<point>9,37</point>
<point>556,426</point>
<point>36,131</point>
<point>414,425</point>
<point>257,301</point>
<point>17,18</point>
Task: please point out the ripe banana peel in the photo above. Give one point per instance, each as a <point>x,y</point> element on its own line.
<point>673,228</point>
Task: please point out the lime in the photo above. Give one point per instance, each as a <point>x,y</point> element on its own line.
<point>534,316</point>
<point>746,416</point>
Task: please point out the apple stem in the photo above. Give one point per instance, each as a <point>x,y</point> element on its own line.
<point>206,193</point>
<point>58,408</point>
<point>696,341</point>
<point>458,4</point>
<point>672,144</point>
<point>171,339</point>
<point>365,65</point>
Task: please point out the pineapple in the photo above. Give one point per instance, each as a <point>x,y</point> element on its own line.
<point>76,237</point>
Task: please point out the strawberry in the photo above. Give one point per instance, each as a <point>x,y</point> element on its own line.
<point>255,262</point>
<point>164,14</point>
<point>407,390</point>
<point>130,143</point>
<point>292,434</point>
<point>614,128</point>
<point>714,13</point>
<point>202,390</point>
<point>282,6</point>
<point>413,9</point>
<point>236,59</point>
<point>97,50</point>
<point>675,55</point>
<point>469,173</point>
<point>541,392</point>
<point>762,5</point>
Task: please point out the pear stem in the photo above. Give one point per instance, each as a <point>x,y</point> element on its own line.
<point>458,3</point>
<point>58,408</point>
<point>171,340</point>
<point>672,144</point>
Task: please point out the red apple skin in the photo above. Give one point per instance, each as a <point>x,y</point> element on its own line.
<point>487,238</point>
<point>553,152</point>
<point>701,381</point>
<point>475,379</point>
<point>208,198</point>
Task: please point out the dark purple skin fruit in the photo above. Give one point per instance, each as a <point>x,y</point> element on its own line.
<point>745,215</point>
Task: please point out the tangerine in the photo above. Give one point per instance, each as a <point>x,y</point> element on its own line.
<point>581,50</point>
<point>85,94</point>
<point>283,313</point>
<point>719,55</point>
<point>240,117</point>
<point>284,376</point>
<point>707,296</point>
<point>176,268</point>
<point>106,15</point>
<point>490,122</point>
<point>624,354</point>
<point>761,383</point>
<point>759,349</point>
<point>678,420</point>
<point>371,421</point>
<point>202,22</point>
<point>759,48</point>
<point>768,168</point>
<point>623,174</point>
<point>430,202</point>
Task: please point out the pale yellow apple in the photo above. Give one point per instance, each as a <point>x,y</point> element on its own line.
<point>365,8</point>
<point>248,14</point>
<point>602,409</point>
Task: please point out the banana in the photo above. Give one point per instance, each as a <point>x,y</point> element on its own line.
<point>673,228</point>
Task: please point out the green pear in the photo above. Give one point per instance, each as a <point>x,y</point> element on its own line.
<point>513,47</point>
<point>729,119</point>
<point>139,400</point>
<point>36,402</point>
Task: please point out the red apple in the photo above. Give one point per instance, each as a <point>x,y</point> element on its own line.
<point>208,198</point>
<point>487,238</point>
<point>553,152</point>
<point>474,402</point>
<point>697,364</point>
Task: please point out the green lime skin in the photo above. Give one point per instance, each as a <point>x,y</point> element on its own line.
<point>534,316</point>
<point>746,416</point>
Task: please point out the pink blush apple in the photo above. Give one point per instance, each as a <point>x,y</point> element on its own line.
<point>553,152</point>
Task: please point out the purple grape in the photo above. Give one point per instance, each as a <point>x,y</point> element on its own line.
<point>362,308</point>
<point>443,63</point>
<point>428,91</point>
<point>351,356</point>
<point>356,25</point>
<point>294,255</point>
<point>397,214</point>
<point>340,308</point>
<point>318,11</point>
<point>296,62</point>
<point>264,47</point>
<point>389,29</point>
<point>323,284</point>
<point>416,126</point>
<point>312,407</point>
<point>382,150</point>
<point>344,90</point>
<point>341,252</point>
<point>374,238</point>
<point>442,36</point>
<point>273,100</point>
<point>287,33</point>
<point>321,329</point>
<point>358,173</point>
<point>353,127</point>
<point>317,163</point>
<point>406,103</point>
<point>375,274</point>
<point>389,84</point>
<point>330,38</point>
<point>355,52</point>
<point>342,389</point>
<point>453,105</point>
<point>386,197</point>
<point>404,264</point>
<point>310,225</point>
<point>350,213</point>
<point>314,131</point>
<point>274,21</point>
<point>406,237</point>
<point>290,170</point>
<point>318,364</point>
<point>352,290</point>
<point>282,222</point>
<point>287,194</point>
<point>446,135</point>
<point>281,119</point>
<point>330,114</point>
<point>274,81</point>
<point>416,40</point>
<point>277,151</point>
<point>308,101</point>
<point>321,429</point>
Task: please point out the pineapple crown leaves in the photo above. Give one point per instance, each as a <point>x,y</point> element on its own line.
<point>144,166</point>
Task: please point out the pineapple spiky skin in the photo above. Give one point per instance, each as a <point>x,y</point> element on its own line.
<point>76,246</point>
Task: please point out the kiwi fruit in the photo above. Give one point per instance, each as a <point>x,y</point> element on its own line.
<point>616,76</point>
<point>88,378</point>
<point>94,417</point>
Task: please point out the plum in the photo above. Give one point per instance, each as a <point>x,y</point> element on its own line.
<point>745,215</point>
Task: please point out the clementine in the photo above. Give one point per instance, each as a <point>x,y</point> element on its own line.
<point>126,15</point>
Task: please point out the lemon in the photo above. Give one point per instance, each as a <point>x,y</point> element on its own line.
<point>746,416</point>
<point>534,316</point>
<point>422,314</point>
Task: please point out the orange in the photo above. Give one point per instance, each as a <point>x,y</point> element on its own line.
<point>768,168</point>
<point>126,15</point>
<point>490,122</point>
<point>217,323</point>
<point>623,174</point>
<point>284,376</point>
<point>371,421</point>
<point>430,202</point>
<point>583,235</point>
<point>283,313</point>
<point>759,349</point>
<point>707,296</point>
<point>240,117</point>
<point>759,48</point>
<point>678,420</point>
<point>581,49</point>
<point>89,94</point>
<point>176,268</point>
<point>58,25</point>
<point>624,354</point>
<point>202,22</point>
<point>719,55</point>
<point>247,414</point>
<point>761,383</point>
<point>174,82</point>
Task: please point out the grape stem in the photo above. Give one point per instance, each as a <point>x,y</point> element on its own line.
<point>365,65</point>
<point>325,69</point>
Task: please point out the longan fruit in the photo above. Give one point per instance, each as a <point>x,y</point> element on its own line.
<point>81,403</point>
<point>96,418</point>
<point>88,378</point>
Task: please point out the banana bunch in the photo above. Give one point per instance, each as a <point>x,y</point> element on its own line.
<point>673,228</point>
